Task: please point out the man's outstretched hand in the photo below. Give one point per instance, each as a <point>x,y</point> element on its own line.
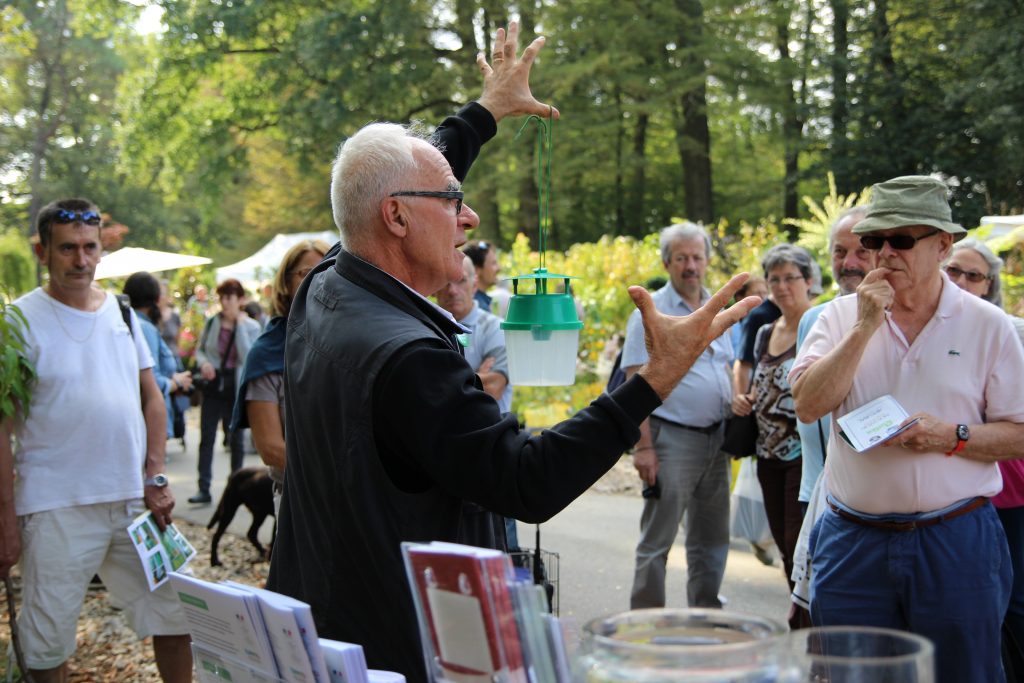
<point>674,343</point>
<point>507,78</point>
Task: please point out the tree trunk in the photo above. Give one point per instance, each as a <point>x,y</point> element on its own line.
<point>620,134</point>
<point>638,226</point>
<point>792,127</point>
<point>840,96</point>
<point>691,117</point>
<point>50,56</point>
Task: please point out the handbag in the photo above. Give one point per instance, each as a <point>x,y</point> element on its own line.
<point>740,436</point>
<point>223,383</point>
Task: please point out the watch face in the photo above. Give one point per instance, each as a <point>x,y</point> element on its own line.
<point>158,480</point>
<point>962,432</point>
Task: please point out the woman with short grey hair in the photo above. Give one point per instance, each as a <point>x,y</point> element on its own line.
<point>973,267</point>
<point>789,273</point>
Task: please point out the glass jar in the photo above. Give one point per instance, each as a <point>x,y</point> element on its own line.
<point>681,646</point>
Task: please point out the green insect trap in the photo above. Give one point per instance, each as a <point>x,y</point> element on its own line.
<point>542,330</point>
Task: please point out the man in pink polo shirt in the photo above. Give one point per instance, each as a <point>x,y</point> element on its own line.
<point>910,540</point>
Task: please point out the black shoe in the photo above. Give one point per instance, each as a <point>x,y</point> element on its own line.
<point>200,498</point>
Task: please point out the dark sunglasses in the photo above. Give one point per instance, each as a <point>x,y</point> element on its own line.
<point>971,275</point>
<point>88,217</point>
<point>457,195</point>
<point>900,242</point>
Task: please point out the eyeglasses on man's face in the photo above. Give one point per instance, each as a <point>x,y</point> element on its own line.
<point>64,216</point>
<point>971,275</point>
<point>900,242</point>
<point>457,195</point>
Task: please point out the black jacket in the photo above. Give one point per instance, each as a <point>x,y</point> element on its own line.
<point>388,434</point>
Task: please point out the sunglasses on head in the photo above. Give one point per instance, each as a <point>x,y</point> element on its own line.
<point>971,275</point>
<point>65,216</point>
<point>900,242</point>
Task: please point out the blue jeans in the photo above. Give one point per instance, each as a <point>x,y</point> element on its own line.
<point>949,582</point>
<point>217,410</point>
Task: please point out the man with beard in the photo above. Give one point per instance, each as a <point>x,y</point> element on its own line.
<point>678,455</point>
<point>850,263</point>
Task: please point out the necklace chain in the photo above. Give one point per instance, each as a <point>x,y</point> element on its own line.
<point>56,314</point>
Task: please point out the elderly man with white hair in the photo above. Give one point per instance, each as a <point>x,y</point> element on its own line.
<point>910,539</point>
<point>388,430</point>
<point>679,455</point>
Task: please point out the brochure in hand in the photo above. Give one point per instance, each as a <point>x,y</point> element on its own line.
<point>161,552</point>
<point>873,423</point>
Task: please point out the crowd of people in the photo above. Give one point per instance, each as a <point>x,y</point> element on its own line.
<point>384,416</point>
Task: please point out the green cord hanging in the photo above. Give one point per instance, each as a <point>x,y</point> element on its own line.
<point>545,147</point>
<point>542,329</point>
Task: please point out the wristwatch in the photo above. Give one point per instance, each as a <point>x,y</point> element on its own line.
<point>962,435</point>
<point>159,480</point>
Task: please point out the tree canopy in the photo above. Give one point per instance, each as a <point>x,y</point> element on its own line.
<point>219,130</point>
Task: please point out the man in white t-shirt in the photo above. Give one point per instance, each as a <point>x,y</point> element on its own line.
<point>88,458</point>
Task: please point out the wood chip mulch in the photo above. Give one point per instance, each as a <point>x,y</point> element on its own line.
<point>107,649</point>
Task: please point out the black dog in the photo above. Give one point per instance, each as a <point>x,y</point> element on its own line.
<point>253,488</point>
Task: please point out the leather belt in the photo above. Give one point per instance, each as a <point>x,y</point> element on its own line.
<point>912,524</point>
<point>710,429</point>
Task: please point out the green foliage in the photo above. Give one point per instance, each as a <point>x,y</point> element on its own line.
<point>814,231</point>
<point>221,129</point>
<point>17,264</point>
<point>605,269</point>
<point>16,371</point>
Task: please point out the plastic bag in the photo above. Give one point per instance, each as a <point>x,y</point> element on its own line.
<point>747,518</point>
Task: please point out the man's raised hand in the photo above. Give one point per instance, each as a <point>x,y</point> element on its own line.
<point>507,78</point>
<point>874,297</point>
<point>675,343</point>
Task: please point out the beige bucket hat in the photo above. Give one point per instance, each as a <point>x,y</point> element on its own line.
<point>909,200</point>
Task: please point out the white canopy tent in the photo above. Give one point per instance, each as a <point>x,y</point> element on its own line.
<point>1002,225</point>
<point>124,262</point>
<point>262,265</point>
<point>1005,232</point>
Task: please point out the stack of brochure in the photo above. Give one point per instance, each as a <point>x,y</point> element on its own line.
<point>243,633</point>
<point>478,623</point>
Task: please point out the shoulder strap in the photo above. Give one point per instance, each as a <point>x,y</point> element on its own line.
<point>126,311</point>
<point>821,438</point>
<point>231,342</point>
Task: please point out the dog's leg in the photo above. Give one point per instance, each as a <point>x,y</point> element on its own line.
<point>253,535</point>
<point>226,511</point>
